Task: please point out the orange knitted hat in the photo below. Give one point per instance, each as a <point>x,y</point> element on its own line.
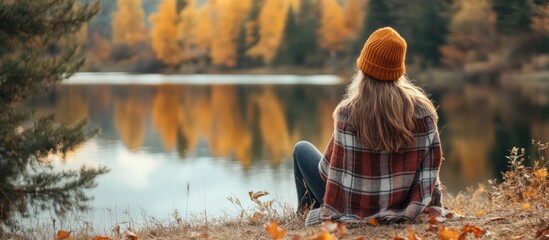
<point>383,55</point>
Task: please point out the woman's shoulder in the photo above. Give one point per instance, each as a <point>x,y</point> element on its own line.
<point>422,111</point>
<point>343,113</point>
<point>426,117</point>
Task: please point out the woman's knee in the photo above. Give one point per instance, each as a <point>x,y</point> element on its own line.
<point>301,146</point>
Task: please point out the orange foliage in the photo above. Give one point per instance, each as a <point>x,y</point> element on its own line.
<point>129,120</point>
<point>373,221</point>
<point>273,126</point>
<point>448,233</point>
<point>323,235</point>
<point>189,30</point>
<point>272,20</point>
<point>274,231</point>
<point>101,48</point>
<point>165,109</point>
<point>354,14</point>
<point>101,238</point>
<point>204,27</point>
<point>227,18</point>
<point>332,31</point>
<point>62,235</point>
<point>128,26</point>
<point>229,134</point>
<point>165,34</point>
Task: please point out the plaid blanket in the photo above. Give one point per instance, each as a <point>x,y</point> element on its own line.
<point>388,186</point>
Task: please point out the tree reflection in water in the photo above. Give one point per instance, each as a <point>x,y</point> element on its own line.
<point>259,124</point>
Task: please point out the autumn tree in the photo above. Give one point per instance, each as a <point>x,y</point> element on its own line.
<point>333,30</point>
<point>128,26</point>
<point>353,16</point>
<point>188,29</point>
<point>166,34</point>
<point>471,36</point>
<point>34,37</point>
<point>272,20</point>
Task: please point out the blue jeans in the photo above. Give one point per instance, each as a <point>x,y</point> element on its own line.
<point>310,186</point>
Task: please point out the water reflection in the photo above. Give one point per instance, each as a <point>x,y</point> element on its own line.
<point>258,124</point>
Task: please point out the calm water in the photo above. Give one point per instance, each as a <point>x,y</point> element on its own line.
<point>223,139</point>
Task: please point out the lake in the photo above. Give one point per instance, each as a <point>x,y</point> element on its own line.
<point>186,143</point>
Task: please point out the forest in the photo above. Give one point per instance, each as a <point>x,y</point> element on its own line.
<point>480,38</point>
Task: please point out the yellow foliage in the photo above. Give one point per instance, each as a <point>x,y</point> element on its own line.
<point>354,14</point>
<point>272,20</point>
<point>227,17</point>
<point>332,31</point>
<point>165,108</point>
<point>189,30</point>
<point>273,126</point>
<point>128,25</point>
<point>165,34</point>
<point>204,27</point>
<point>295,5</point>
<point>229,134</point>
<point>129,120</point>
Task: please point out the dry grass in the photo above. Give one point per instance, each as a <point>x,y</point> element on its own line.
<point>516,208</point>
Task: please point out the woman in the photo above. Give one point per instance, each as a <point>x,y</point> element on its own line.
<point>384,156</point>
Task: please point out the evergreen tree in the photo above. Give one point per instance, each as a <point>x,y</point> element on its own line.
<point>35,53</point>
<point>300,46</point>
<point>289,53</point>
<point>378,15</point>
<point>512,16</point>
<point>431,32</point>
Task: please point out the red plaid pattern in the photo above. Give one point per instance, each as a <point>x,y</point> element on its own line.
<point>390,186</point>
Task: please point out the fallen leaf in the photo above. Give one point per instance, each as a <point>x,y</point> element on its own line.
<point>257,195</point>
<point>398,238</point>
<point>257,217</point>
<point>471,229</point>
<point>101,238</point>
<point>412,235</point>
<point>63,235</point>
<point>324,235</point>
<point>373,221</point>
<point>130,235</point>
<point>274,231</point>
<point>432,228</point>
<point>525,206</point>
<point>458,212</point>
<point>296,237</point>
<point>341,229</point>
<point>448,233</point>
<point>480,212</point>
<point>360,238</point>
<point>329,226</point>
<point>204,235</point>
<point>433,220</point>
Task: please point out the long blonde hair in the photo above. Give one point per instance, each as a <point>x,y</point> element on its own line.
<point>382,112</point>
